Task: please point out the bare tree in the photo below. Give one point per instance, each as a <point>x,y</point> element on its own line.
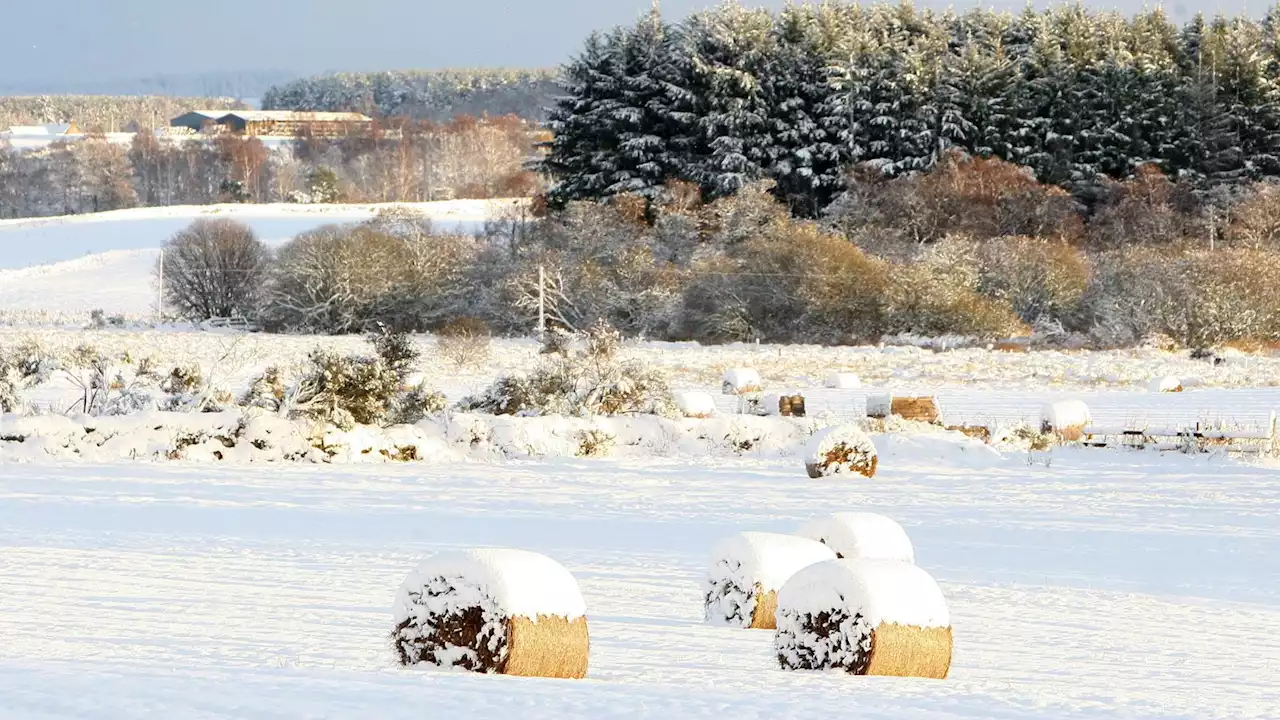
<point>214,268</point>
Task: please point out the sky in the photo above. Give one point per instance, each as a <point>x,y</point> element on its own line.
<point>76,41</point>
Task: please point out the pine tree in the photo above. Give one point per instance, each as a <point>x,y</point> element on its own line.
<point>582,143</point>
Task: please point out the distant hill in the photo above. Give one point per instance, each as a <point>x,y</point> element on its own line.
<point>233,84</point>
<point>438,95</point>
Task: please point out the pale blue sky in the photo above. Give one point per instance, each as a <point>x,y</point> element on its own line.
<point>73,41</point>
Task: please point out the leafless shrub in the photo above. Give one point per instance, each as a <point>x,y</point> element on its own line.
<point>464,341</point>
<point>214,268</point>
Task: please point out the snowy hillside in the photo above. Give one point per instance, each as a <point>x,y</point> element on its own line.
<point>78,263</point>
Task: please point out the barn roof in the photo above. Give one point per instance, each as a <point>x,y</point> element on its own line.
<point>291,115</point>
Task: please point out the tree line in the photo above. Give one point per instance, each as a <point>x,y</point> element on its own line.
<point>398,161</point>
<point>975,248</point>
<point>436,95</point>
<point>734,95</point>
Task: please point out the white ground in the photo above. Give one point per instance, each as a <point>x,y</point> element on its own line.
<point>1104,586</point>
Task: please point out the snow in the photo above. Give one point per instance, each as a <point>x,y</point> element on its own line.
<point>695,404</point>
<point>861,535</point>
<point>745,565</point>
<point>1165,384</point>
<point>882,591</point>
<point>880,405</point>
<point>739,380</point>
<point>1066,414</point>
<point>764,559</point>
<point>519,583</point>
<point>843,381</point>
<point>144,589</point>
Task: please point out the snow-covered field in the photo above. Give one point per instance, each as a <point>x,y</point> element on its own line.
<point>77,263</point>
<point>1107,585</point>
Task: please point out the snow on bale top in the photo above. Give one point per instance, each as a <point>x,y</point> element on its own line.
<point>746,572</point>
<point>741,380</point>
<point>861,536</point>
<point>765,559</point>
<point>517,582</point>
<point>843,381</point>
<point>840,449</point>
<point>1065,414</point>
<point>1167,384</point>
<point>881,591</point>
<point>695,404</point>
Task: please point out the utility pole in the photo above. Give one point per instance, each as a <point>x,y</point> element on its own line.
<point>160,291</point>
<point>542,301</point>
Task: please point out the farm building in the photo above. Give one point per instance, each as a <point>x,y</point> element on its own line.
<point>49,130</point>
<point>197,120</point>
<point>294,124</point>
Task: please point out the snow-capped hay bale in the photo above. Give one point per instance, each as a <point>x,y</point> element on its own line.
<point>748,569</point>
<point>843,381</point>
<point>739,381</point>
<point>695,404</point>
<point>511,612</point>
<point>866,617</point>
<point>1066,419</point>
<point>1165,385</point>
<point>840,449</point>
<point>919,409</point>
<point>861,536</point>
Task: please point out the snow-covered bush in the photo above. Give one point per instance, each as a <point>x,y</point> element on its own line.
<point>748,569</point>
<point>594,442</point>
<point>23,367</point>
<point>512,612</point>
<point>840,449</point>
<point>593,380</point>
<point>866,617</point>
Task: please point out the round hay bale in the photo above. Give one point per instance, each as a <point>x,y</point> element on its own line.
<point>511,612</point>
<point>866,617</point>
<point>783,405</point>
<point>748,569</point>
<point>695,404</point>
<point>1066,419</point>
<point>840,449</point>
<point>738,381</point>
<point>861,536</point>
<point>843,381</point>
<point>919,409</point>
<point>1165,385</point>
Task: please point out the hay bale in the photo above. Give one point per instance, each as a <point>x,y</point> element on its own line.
<point>511,612</point>
<point>866,617</point>
<point>919,409</point>
<point>695,404</point>
<point>843,381</point>
<point>1165,385</point>
<point>783,405</point>
<point>861,536</point>
<point>1065,419</point>
<point>840,449</point>
<point>748,569</point>
<point>739,381</point>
